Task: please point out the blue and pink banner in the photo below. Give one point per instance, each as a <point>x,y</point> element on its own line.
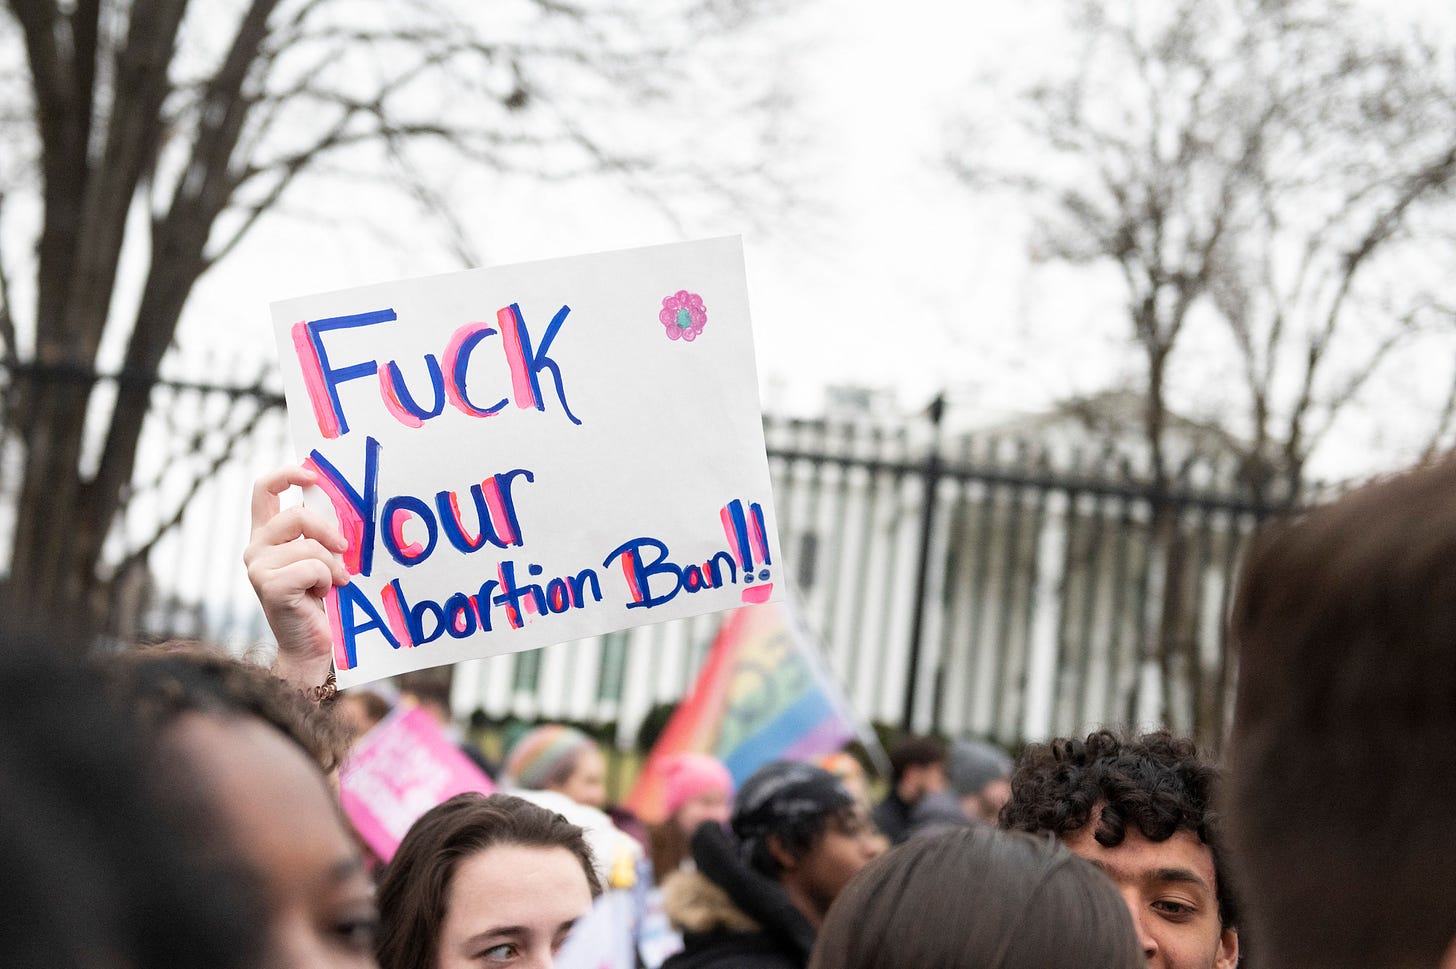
<point>763,694</point>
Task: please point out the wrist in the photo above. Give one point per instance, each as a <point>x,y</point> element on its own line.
<point>326,690</point>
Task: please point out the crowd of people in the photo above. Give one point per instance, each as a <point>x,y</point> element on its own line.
<point>172,806</point>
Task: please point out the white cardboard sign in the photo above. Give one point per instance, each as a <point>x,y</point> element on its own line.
<point>531,454</point>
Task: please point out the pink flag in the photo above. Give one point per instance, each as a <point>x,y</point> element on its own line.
<point>602,939</point>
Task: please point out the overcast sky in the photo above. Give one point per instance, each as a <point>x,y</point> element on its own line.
<point>897,277</point>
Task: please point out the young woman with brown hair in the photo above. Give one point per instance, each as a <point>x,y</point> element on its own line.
<point>484,879</point>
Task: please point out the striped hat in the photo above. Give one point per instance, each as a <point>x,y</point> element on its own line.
<point>545,756</point>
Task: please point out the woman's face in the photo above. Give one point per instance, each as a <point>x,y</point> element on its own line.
<point>708,805</point>
<point>512,905</point>
<point>587,783</point>
<point>279,819</point>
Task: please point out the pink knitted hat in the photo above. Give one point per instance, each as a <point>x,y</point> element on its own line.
<point>685,776</point>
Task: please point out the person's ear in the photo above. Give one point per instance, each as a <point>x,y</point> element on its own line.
<point>1228,950</point>
<point>1448,961</point>
<point>783,856</point>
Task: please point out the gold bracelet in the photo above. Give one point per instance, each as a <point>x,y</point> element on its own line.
<point>326,692</point>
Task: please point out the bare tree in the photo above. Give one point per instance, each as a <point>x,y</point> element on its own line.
<point>1264,176</point>
<point>1266,170</point>
<point>171,129</point>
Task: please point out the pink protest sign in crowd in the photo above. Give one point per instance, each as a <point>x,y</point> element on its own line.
<point>399,770</point>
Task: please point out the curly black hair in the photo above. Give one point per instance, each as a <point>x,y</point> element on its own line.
<point>1156,781</point>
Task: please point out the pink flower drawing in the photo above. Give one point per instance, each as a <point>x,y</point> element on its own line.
<point>684,315</point>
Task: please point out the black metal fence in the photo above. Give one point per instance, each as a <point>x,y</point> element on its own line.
<point>1005,586</point>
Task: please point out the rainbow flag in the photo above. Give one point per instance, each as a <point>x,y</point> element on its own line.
<point>763,694</point>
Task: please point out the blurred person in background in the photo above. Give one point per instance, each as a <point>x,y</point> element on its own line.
<point>248,752</point>
<point>484,881</point>
<point>696,788</point>
<point>936,813</point>
<point>555,757</point>
<point>1142,809</point>
<point>103,868</point>
<point>758,895</point>
<point>1343,789</point>
<point>978,898</point>
<point>851,773</point>
<point>430,691</point>
<point>360,709</point>
<point>979,775</point>
<point>917,768</point>
<point>561,768</point>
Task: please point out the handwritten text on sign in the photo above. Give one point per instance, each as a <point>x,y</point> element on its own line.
<point>533,454</point>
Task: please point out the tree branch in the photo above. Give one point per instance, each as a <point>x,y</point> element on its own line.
<point>1382,227</point>
<point>48,71</point>
<point>85,22</point>
<point>1351,388</point>
<point>11,350</point>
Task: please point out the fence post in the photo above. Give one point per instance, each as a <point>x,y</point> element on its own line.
<point>922,571</point>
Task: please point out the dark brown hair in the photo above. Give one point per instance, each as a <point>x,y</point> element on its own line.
<point>668,848</point>
<point>1156,782</point>
<point>374,707</point>
<point>1344,740</point>
<point>158,684</point>
<point>416,884</point>
<point>914,752</point>
<point>977,898</point>
<point>97,864</point>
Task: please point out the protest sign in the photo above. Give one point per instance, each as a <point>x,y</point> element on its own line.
<point>397,771</point>
<point>532,454</point>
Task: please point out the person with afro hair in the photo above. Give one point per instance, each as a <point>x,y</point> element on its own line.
<point>1141,808</point>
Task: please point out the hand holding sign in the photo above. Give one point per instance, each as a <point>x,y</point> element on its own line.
<point>293,562</point>
<point>500,484</point>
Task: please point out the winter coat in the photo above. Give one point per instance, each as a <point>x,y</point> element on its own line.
<point>711,906</point>
<point>892,817</point>
<point>935,814</point>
